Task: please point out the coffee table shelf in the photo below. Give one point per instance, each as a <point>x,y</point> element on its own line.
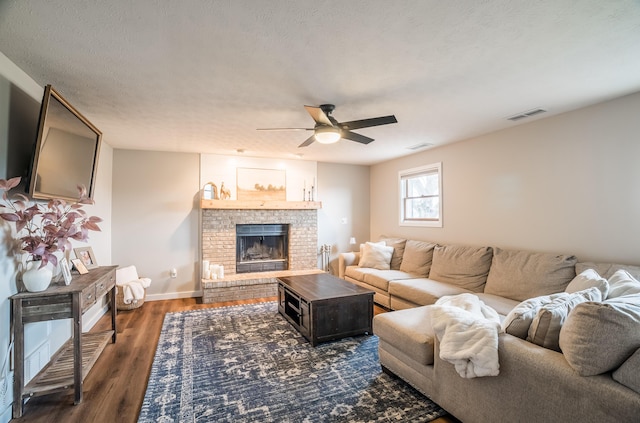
<point>325,308</point>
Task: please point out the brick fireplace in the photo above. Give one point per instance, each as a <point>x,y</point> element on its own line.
<point>219,247</point>
<point>219,235</point>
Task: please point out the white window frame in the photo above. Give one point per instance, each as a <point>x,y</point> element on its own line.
<point>417,171</point>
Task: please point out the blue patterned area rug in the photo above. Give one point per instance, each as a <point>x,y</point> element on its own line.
<point>248,364</point>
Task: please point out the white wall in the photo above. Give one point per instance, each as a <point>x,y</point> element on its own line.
<point>567,184</point>
<point>155,219</point>
<point>345,207</point>
<point>300,174</point>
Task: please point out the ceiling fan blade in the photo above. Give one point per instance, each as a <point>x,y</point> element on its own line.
<point>318,115</point>
<point>366,123</point>
<point>284,129</point>
<point>309,140</point>
<point>348,135</point>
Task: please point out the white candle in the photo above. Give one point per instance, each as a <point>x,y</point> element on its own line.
<point>205,265</point>
<point>221,272</point>
<point>207,274</point>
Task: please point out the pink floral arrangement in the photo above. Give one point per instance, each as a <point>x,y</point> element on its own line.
<point>43,229</point>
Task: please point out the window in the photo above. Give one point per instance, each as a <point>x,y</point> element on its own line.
<point>421,195</point>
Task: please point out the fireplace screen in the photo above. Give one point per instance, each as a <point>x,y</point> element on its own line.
<point>262,248</point>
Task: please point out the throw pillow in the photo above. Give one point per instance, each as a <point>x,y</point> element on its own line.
<point>520,275</point>
<point>622,283</point>
<point>587,279</point>
<point>460,265</point>
<point>599,337</point>
<point>398,250</point>
<point>375,256</point>
<point>519,319</point>
<point>417,257</point>
<point>545,328</point>
<point>628,373</point>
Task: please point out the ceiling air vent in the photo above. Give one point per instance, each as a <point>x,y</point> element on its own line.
<point>419,146</point>
<point>526,114</point>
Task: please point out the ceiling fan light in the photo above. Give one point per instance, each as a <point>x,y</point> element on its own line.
<point>328,135</point>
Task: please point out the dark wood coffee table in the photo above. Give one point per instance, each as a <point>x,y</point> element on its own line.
<point>325,308</point>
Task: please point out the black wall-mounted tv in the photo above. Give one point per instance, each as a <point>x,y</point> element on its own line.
<point>67,149</point>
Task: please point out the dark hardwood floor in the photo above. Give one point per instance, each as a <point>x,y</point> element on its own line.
<point>115,387</point>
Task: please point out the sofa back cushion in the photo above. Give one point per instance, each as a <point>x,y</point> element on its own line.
<point>599,337</point>
<point>606,270</point>
<point>417,257</point>
<point>520,275</point>
<point>398,250</point>
<point>464,266</point>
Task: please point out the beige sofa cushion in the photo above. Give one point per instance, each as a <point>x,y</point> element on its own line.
<point>628,374</point>
<point>546,325</point>
<point>422,291</point>
<point>398,250</point>
<point>521,275</point>
<point>599,337</point>
<point>417,257</point>
<point>375,256</point>
<point>519,319</point>
<point>381,278</point>
<point>606,270</point>
<point>409,330</point>
<point>460,265</point>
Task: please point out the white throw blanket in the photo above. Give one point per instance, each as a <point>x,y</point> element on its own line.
<point>468,333</point>
<point>133,291</point>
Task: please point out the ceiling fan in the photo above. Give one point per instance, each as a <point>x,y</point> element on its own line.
<point>328,130</point>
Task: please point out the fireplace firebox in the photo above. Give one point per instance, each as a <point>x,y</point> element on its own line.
<point>262,248</point>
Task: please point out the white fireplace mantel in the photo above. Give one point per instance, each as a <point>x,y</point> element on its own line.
<point>260,205</point>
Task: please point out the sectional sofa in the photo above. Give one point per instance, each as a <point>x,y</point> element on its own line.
<point>569,336</point>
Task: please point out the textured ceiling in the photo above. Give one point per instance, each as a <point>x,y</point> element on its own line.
<point>201,76</point>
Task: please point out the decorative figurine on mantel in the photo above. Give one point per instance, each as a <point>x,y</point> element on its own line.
<point>225,194</point>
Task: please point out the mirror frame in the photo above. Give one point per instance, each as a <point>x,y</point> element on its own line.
<point>49,94</point>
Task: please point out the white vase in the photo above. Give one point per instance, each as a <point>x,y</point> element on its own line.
<point>36,279</point>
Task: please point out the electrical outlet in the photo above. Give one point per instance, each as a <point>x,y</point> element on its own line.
<point>173,272</point>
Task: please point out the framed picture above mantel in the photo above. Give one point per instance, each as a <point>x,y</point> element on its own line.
<point>261,184</point>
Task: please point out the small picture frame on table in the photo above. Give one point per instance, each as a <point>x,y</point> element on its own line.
<point>66,272</point>
<point>85,254</point>
<point>80,267</point>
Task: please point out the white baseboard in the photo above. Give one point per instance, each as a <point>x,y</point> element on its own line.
<point>173,295</point>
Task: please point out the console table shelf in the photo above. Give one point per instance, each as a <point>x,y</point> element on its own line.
<point>58,374</point>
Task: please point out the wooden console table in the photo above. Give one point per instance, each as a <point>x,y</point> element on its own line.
<point>69,366</point>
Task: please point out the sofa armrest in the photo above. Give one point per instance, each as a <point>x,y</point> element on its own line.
<point>347,259</point>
